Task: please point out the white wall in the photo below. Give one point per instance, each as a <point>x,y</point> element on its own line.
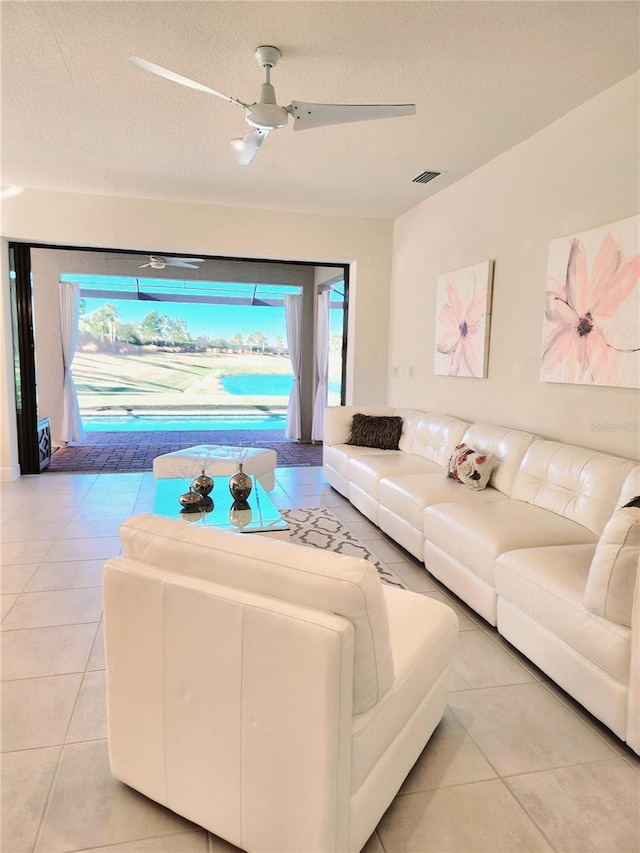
<point>157,226</point>
<point>579,173</point>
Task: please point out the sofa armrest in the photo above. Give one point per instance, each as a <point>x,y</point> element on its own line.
<point>633,710</point>
<point>337,421</point>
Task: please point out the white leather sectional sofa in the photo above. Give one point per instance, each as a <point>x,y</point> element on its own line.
<point>522,552</point>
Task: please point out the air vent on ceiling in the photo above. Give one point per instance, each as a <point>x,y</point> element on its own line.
<point>425,177</point>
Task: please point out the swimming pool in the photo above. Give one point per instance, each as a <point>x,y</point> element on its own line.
<point>158,423</point>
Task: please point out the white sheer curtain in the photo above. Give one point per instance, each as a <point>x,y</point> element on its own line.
<point>72,431</point>
<point>322,364</point>
<point>293,317</point>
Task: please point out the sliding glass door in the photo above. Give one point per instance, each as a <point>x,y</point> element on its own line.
<point>24,358</point>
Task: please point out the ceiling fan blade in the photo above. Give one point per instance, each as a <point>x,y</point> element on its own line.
<point>178,78</point>
<point>306,116</point>
<point>250,145</point>
<point>184,260</point>
<point>142,266</point>
<point>182,264</point>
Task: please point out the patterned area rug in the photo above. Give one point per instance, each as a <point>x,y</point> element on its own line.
<point>319,528</point>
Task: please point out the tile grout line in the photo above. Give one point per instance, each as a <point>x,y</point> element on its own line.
<point>63,747</point>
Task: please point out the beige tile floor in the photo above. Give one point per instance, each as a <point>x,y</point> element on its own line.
<point>515,765</point>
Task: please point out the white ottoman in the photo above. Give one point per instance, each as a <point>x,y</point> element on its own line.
<point>217,460</point>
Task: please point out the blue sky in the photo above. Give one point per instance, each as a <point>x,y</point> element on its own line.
<point>217,321</point>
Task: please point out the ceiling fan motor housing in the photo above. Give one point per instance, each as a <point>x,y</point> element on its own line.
<point>266,114</point>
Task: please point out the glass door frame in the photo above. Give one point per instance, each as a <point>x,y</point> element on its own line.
<point>24,362</point>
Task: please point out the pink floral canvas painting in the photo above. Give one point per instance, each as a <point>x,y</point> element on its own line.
<point>592,310</point>
<point>463,300</point>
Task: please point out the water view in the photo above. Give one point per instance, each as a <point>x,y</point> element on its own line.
<point>264,384</point>
<point>126,368</point>
<point>258,384</point>
<point>159,423</point>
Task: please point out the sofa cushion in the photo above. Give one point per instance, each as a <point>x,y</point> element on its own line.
<point>337,456</point>
<point>418,663</point>
<point>613,571</point>
<point>579,484</point>
<point>407,495</point>
<point>347,586</point>
<point>470,468</point>
<point>435,437</point>
<point>507,445</point>
<point>475,534</point>
<point>410,421</point>
<point>365,472</point>
<point>548,585</point>
<point>382,431</point>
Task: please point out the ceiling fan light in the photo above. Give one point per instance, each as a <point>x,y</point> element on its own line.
<point>238,143</point>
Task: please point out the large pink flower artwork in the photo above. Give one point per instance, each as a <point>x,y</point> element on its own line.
<point>462,321</point>
<point>592,314</point>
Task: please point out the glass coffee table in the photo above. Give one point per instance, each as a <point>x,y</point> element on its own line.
<point>258,516</point>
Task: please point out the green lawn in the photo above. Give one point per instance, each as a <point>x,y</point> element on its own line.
<point>168,380</point>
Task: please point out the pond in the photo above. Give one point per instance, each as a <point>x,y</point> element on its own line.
<point>264,384</point>
<point>258,384</point>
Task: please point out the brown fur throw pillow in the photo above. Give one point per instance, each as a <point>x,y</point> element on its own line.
<point>378,431</point>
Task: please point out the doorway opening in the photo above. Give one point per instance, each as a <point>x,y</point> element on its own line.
<point>173,351</point>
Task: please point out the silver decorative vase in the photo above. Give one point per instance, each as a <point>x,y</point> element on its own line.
<point>191,501</point>
<point>203,484</point>
<point>240,485</point>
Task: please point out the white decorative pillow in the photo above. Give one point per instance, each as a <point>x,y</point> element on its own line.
<point>471,468</point>
<point>612,575</point>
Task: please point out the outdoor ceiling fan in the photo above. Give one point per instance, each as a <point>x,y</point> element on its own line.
<point>158,263</point>
<point>266,115</point>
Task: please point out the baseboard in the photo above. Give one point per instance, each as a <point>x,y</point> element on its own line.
<point>9,474</point>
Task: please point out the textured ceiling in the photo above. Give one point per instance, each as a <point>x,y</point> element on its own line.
<point>77,116</point>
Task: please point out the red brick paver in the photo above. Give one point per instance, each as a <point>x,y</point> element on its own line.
<point>105,452</point>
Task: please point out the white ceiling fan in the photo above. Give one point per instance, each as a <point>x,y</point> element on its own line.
<point>266,115</point>
<point>159,263</point>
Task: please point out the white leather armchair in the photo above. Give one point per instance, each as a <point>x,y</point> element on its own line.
<point>276,695</point>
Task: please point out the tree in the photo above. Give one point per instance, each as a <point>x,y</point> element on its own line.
<point>237,341</point>
<point>129,333</point>
<point>103,322</point>
<point>335,343</point>
<point>151,327</point>
<point>175,331</point>
<point>257,340</point>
